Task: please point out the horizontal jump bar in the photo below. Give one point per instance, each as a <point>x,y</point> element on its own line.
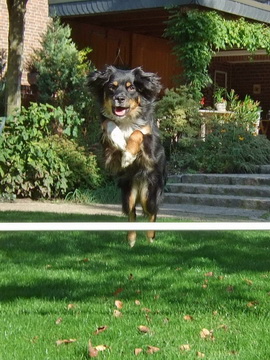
<point>134,226</point>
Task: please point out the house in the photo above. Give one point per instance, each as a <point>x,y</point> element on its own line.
<point>130,33</point>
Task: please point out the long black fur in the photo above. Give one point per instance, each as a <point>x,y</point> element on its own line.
<point>126,100</point>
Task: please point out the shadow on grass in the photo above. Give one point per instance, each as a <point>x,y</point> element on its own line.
<point>85,265</point>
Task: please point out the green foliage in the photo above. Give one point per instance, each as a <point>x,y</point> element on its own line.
<point>178,115</point>
<point>61,68</point>
<point>231,149</point>
<point>231,144</point>
<point>35,164</point>
<point>199,34</point>
<point>83,166</point>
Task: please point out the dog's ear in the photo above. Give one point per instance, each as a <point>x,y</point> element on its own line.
<point>97,80</point>
<point>147,84</point>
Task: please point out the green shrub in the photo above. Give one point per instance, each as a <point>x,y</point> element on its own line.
<point>33,163</point>
<point>178,116</point>
<point>227,149</point>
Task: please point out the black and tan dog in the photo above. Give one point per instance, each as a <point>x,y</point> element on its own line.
<point>131,141</point>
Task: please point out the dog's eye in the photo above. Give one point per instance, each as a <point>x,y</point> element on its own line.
<point>131,88</point>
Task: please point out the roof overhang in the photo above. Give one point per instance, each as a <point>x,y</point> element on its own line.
<point>250,9</point>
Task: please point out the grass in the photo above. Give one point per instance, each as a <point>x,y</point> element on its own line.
<point>62,286</point>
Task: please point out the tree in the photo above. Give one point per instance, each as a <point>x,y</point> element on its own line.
<point>16,13</point>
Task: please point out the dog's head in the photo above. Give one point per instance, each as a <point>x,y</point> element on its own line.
<point>123,93</point>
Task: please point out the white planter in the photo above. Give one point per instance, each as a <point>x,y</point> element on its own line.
<point>221,106</point>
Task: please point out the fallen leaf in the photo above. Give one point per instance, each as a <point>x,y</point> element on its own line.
<point>117,313</point>
<point>221,277</point>
<point>248,282</point>
<point>210,274</point>
<point>215,313</point>
<point>118,291</point>
<point>252,303</point>
<point>100,329</point>
<point>92,351</point>
<point>204,286</point>
<point>166,320</point>
<point>65,341</point>
<point>137,351</point>
<point>84,260</point>
<point>188,318</point>
<point>185,347</point>
<point>152,349</point>
<point>119,304</point>
<point>58,321</point>
<point>131,277</point>
<point>200,354</point>
<point>144,329</point>
<point>207,334</point>
<point>101,347</point>
<point>137,302</point>
<point>146,310</point>
<point>230,288</point>
<point>71,306</point>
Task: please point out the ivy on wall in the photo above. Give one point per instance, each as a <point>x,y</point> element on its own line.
<point>198,35</point>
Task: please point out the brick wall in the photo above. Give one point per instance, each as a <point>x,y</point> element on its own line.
<point>36,20</point>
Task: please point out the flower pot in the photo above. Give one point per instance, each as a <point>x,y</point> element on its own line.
<point>221,106</point>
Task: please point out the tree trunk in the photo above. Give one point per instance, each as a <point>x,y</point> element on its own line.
<point>16,11</point>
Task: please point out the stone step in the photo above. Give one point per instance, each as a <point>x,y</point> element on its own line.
<point>246,202</point>
<point>227,179</point>
<point>208,213</point>
<point>216,189</point>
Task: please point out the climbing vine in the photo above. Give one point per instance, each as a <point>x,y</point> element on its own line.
<point>198,35</point>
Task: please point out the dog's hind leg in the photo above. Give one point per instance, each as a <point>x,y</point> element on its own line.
<point>129,199</point>
<point>148,209</point>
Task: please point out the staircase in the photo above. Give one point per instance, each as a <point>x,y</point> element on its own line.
<point>235,196</point>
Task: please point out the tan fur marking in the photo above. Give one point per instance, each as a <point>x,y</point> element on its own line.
<point>115,83</point>
<point>134,142</point>
<point>128,84</point>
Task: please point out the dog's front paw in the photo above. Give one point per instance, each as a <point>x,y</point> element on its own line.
<point>127,159</point>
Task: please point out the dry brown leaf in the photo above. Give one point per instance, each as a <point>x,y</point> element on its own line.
<point>65,341</point>
<point>207,334</point>
<point>252,303</point>
<point>200,354</point>
<point>71,306</point>
<point>188,318</point>
<point>137,351</point>
<point>215,313</point>
<point>117,313</point>
<point>152,349</point>
<point>92,351</point>
<point>101,347</point>
<point>144,329</point>
<point>204,286</point>
<point>185,347</point>
<point>223,326</point>
<point>100,329</point>
<point>131,277</point>
<point>146,310</point>
<point>119,304</point>
<point>137,302</point>
<point>230,288</point>
<point>209,274</point>
<point>84,260</point>
<point>58,321</point>
<point>118,291</point>
<point>248,282</point>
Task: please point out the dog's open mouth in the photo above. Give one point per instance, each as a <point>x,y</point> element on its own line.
<point>120,111</point>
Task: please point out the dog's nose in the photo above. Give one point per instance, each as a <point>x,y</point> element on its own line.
<point>120,98</point>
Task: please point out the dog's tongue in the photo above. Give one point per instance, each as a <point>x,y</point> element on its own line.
<point>120,111</point>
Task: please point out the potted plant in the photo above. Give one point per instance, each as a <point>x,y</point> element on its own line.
<point>219,97</point>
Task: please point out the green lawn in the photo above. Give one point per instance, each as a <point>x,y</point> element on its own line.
<point>63,286</point>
